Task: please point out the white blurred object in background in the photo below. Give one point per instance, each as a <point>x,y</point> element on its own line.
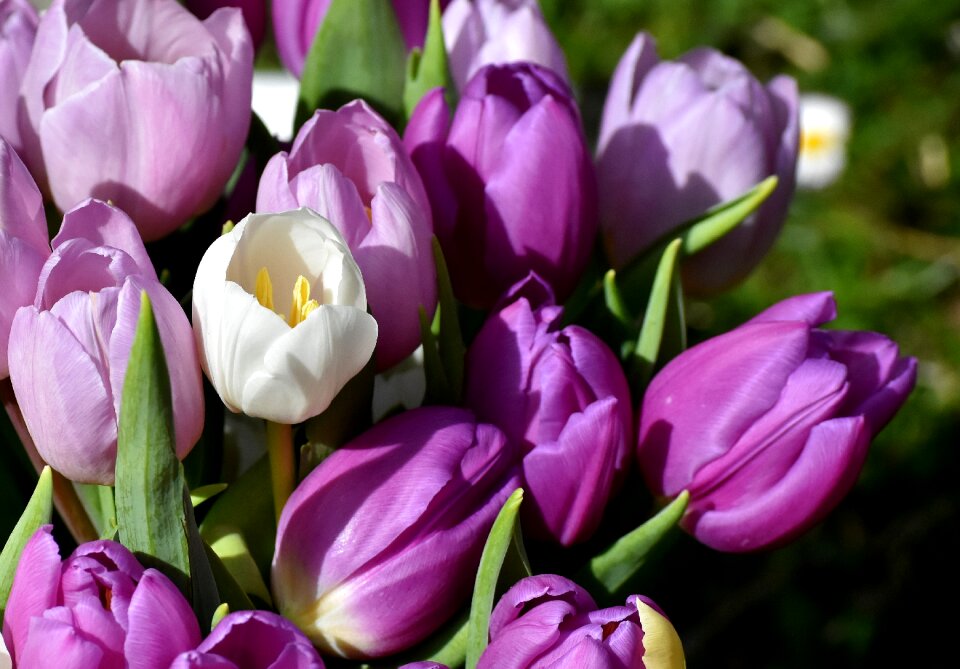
<point>275,101</point>
<point>824,131</point>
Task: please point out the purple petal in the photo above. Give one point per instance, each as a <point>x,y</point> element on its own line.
<point>55,643</point>
<point>196,660</point>
<point>261,639</point>
<point>78,265</point>
<point>639,58</point>
<point>34,589</point>
<point>21,205</point>
<point>812,308</point>
<point>20,286</point>
<point>104,225</point>
<point>149,645</point>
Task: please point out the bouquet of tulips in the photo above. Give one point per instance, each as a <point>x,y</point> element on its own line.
<point>350,400</point>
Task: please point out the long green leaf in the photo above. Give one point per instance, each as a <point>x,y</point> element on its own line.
<point>655,317</point>
<point>428,69</point>
<point>358,53</point>
<point>450,339</point>
<point>38,511</point>
<point>503,534</point>
<point>704,230</point>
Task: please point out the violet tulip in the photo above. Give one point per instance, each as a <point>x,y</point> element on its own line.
<point>68,351</point>
<point>99,609</point>
<point>550,621</point>
<point>18,28</point>
<point>678,137</point>
<point>489,32</point>
<point>137,102</point>
<point>258,639</point>
<point>510,180</point>
<point>561,394</point>
<point>767,426</point>
<point>350,167</point>
<point>254,14</point>
<point>24,245</point>
<point>296,23</point>
<point>380,543</point>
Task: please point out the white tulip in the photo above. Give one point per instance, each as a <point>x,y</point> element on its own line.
<point>261,361</point>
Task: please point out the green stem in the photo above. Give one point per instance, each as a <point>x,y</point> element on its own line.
<point>280,451</point>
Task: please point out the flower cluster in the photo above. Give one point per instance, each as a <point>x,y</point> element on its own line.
<point>486,250</point>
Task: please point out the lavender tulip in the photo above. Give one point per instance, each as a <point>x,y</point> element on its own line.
<point>561,394</point>
<point>550,621</point>
<point>296,23</point>
<point>18,28</point>
<point>350,166</point>
<point>258,639</point>
<point>489,32</point>
<point>138,102</point>
<point>69,349</point>
<point>254,14</point>
<point>23,242</point>
<point>768,425</point>
<point>99,609</point>
<point>379,544</point>
<point>679,137</point>
<point>510,181</point>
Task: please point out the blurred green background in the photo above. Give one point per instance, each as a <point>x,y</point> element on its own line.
<point>860,589</point>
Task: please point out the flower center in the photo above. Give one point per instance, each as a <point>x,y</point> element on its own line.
<point>301,306</point>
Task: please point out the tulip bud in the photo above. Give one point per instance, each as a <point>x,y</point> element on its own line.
<point>510,180</point>
<point>550,621</point>
<point>68,351</point>
<point>97,609</point>
<point>380,544</point>
<point>679,137</point>
<point>280,316</point>
<point>561,394</point>
<point>350,166</point>
<point>139,103</point>
<point>258,639</point>
<point>495,32</point>
<point>24,245</point>
<point>18,28</point>
<point>767,426</point>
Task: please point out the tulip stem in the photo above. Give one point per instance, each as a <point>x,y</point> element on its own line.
<point>280,451</point>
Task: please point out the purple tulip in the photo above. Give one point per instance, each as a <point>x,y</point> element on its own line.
<point>18,28</point>
<point>139,103</point>
<point>679,137</point>
<point>424,665</point>
<point>296,23</point>
<point>379,545</point>
<point>24,245</point>
<point>768,425</point>
<point>99,609</point>
<point>561,394</point>
<point>351,167</point>
<point>254,14</point>
<point>550,621</point>
<point>510,181</point>
<point>68,351</point>
<point>494,32</point>
<point>257,639</point>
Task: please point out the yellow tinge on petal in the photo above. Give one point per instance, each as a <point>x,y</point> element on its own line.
<point>302,304</point>
<point>661,645</point>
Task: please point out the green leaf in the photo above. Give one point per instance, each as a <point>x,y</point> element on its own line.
<point>504,534</point>
<point>428,69</point>
<point>232,553</point>
<point>149,478</point>
<point>438,387</point>
<point>614,300</point>
<point>205,492</point>
<point>358,52</point>
<point>37,513</point>
<point>222,612</point>
<point>613,568</point>
<point>658,309</point>
<point>450,339</point>
<point>704,230</point>
<point>232,592</point>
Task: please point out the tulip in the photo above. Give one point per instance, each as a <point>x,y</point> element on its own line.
<point>510,181</point>
<point>297,22</point>
<point>139,103</point>
<point>379,545</point>
<point>560,393</point>
<point>279,367</point>
<point>767,426</point>
<point>258,639</point>
<point>69,349</point>
<point>98,609</point>
<point>24,245</point>
<point>254,14</point>
<point>550,621</point>
<point>677,138</point>
<point>350,166</point>
<point>494,32</point>
<point>18,28</point>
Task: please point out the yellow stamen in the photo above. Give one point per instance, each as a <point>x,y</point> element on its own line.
<point>302,304</point>
<point>264,289</point>
<point>369,214</point>
<point>816,141</point>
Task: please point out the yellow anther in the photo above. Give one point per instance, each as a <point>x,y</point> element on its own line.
<point>264,289</point>
<point>369,214</point>
<point>302,304</point>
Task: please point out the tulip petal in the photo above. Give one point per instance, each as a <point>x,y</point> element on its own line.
<point>273,192</point>
<point>53,643</point>
<point>813,309</point>
<point>261,639</point>
<point>104,225</point>
<point>149,645</point>
<point>34,590</point>
<point>79,265</point>
<point>21,205</point>
<point>636,62</point>
<point>19,288</point>
<point>327,191</point>
<point>196,660</point>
